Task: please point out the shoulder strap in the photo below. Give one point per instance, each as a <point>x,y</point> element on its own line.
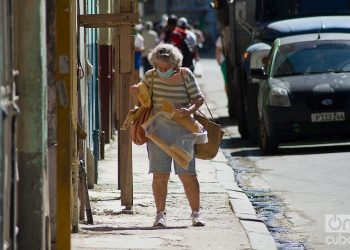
<point>151,85</point>
<point>183,79</point>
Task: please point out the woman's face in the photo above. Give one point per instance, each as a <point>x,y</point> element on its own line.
<point>163,66</point>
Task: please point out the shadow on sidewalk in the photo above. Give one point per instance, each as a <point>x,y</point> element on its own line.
<point>226,121</point>
<point>109,229</point>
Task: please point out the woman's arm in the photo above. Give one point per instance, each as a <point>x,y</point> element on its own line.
<point>133,91</point>
<point>195,104</point>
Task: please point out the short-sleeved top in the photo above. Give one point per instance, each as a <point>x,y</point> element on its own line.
<point>178,88</point>
<point>218,44</point>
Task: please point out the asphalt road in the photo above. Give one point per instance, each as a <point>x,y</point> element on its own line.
<point>299,189</point>
<point>310,182</point>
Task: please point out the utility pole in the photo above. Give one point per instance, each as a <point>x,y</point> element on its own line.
<point>66,83</point>
<point>125,70</point>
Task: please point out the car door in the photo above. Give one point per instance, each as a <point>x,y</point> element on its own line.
<point>8,114</point>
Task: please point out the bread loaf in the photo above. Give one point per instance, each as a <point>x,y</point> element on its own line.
<point>143,94</point>
<point>187,122</point>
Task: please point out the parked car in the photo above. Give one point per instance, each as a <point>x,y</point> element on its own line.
<point>305,89</point>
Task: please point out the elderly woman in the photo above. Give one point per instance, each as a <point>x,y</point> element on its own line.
<point>178,85</point>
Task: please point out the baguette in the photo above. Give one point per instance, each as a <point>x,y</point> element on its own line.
<point>189,123</point>
<point>143,95</point>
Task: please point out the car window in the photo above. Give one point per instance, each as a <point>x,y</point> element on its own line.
<point>312,58</point>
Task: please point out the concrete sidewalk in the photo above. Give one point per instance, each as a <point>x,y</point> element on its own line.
<point>115,230</point>
<point>231,222</point>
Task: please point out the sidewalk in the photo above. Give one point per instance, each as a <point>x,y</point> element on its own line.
<point>220,196</point>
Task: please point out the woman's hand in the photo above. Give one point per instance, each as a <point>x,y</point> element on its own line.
<point>196,103</point>
<point>183,112</point>
<point>133,90</point>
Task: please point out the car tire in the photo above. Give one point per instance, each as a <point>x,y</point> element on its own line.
<point>267,144</point>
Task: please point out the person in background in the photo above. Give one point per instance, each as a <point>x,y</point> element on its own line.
<point>220,58</point>
<point>184,40</point>
<point>169,29</point>
<point>161,28</point>
<point>138,47</point>
<point>191,37</point>
<point>199,35</point>
<point>200,40</point>
<point>198,71</point>
<point>150,42</point>
<point>178,85</point>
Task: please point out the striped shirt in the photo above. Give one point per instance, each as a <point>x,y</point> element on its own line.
<point>177,88</point>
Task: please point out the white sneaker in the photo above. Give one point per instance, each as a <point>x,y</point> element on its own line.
<point>197,219</point>
<point>160,220</point>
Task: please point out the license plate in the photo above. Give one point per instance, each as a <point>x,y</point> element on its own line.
<point>328,117</point>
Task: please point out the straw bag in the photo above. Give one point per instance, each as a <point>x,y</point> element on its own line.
<point>209,150</point>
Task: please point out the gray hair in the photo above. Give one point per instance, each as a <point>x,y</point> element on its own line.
<point>166,53</point>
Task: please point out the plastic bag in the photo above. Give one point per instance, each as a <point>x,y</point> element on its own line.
<point>174,139</point>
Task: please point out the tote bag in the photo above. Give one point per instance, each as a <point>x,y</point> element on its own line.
<point>209,150</point>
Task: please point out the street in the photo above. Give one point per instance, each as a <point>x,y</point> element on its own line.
<point>295,191</point>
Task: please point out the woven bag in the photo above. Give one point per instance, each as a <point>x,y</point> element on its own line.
<point>209,150</point>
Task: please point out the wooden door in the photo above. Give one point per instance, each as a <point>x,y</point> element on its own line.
<point>9,111</point>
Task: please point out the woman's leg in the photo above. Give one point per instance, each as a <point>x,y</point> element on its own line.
<point>160,189</point>
<point>191,186</point>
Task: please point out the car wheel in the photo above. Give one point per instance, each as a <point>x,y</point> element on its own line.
<point>267,144</point>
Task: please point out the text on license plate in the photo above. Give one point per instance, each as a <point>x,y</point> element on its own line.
<point>328,117</point>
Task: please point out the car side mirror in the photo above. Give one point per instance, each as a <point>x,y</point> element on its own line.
<point>258,73</point>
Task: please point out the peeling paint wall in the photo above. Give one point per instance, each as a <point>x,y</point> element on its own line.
<point>30,53</point>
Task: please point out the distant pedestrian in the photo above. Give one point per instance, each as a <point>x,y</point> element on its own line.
<point>138,47</point>
<point>150,42</point>
<point>198,71</point>
<point>161,28</point>
<point>220,58</point>
<point>169,28</point>
<point>183,40</point>
<point>199,35</point>
<point>178,85</point>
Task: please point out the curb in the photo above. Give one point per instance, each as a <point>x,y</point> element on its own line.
<point>259,236</point>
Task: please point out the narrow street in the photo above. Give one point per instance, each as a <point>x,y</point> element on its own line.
<point>294,190</point>
<point>115,229</point>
